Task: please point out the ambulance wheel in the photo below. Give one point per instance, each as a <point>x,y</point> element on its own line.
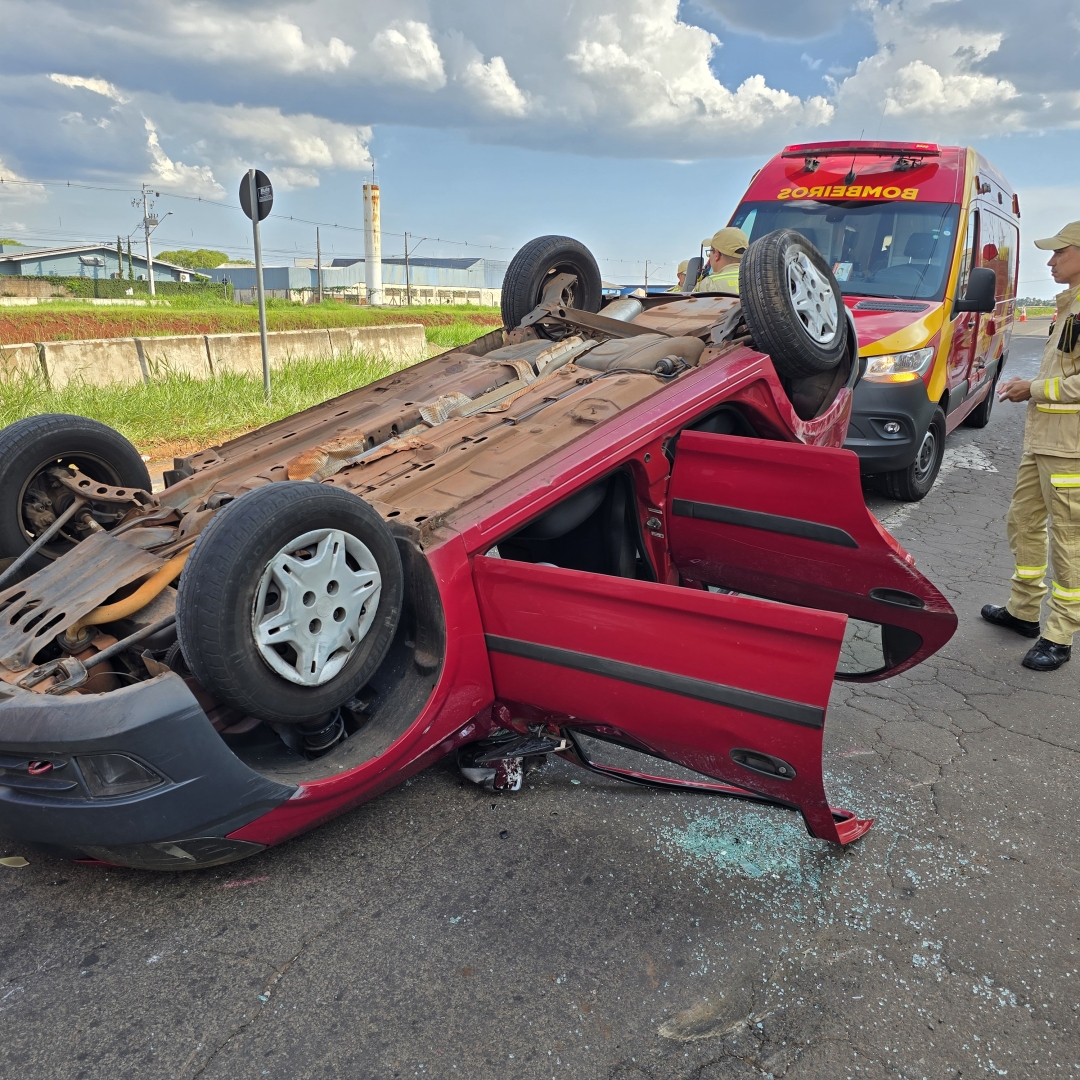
<point>914,482</point>
<point>30,499</point>
<point>792,305</point>
<point>979,417</point>
<point>536,264</point>
<point>289,601</point>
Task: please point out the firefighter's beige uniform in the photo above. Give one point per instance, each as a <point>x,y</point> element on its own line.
<point>1048,485</point>
<point>678,286</point>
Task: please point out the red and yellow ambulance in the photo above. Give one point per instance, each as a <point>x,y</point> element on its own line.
<point>904,225</point>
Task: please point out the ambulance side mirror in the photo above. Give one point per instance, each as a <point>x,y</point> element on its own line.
<point>982,281</point>
<point>693,272</point>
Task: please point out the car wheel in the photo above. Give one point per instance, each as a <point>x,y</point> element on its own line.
<point>289,601</point>
<point>915,482</point>
<point>792,304</point>
<point>536,264</point>
<point>30,500</point>
<point>979,417</point>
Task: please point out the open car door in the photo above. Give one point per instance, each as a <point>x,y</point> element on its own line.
<point>731,687</point>
<point>788,522</point>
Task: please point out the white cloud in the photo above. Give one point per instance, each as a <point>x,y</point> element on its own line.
<point>97,86</point>
<point>210,33</point>
<point>405,51</point>
<point>493,86</point>
<point>193,179</point>
<point>15,188</point>
<point>935,79</point>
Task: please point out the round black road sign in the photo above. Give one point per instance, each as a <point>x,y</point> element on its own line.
<point>264,194</point>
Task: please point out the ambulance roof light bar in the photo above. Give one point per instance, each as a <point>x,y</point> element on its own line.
<point>864,149</point>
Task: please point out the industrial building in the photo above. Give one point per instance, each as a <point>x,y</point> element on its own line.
<point>84,260</point>
<point>344,273</point>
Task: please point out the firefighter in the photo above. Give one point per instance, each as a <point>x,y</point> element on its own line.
<point>726,249</point>
<point>1048,482</point>
<point>681,275</point>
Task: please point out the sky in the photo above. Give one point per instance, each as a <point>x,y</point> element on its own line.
<point>632,125</point>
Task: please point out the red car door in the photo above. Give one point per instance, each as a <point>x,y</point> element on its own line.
<point>731,687</point>
<point>788,522</point>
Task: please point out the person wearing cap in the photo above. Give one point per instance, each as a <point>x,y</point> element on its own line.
<point>681,274</point>
<point>1047,493</point>
<point>726,249</point>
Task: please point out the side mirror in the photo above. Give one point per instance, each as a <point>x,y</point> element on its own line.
<point>982,281</point>
<point>693,272</point>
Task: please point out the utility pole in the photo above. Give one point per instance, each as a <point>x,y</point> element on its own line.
<point>131,264</point>
<point>318,260</point>
<point>149,222</point>
<point>408,285</point>
<point>259,282</point>
<point>646,275</point>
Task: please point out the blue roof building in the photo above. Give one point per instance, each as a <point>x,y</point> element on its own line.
<point>84,260</point>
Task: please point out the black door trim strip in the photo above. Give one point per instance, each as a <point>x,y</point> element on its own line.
<point>755,519</point>
<point>794,712</point>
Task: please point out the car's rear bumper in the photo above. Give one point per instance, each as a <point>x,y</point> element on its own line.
<point>876,404</point>
<point>205,791</point>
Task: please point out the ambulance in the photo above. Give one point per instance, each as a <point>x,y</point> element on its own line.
<point>923,242</point>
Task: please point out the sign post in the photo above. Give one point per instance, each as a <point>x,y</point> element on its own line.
<point>256,199</point>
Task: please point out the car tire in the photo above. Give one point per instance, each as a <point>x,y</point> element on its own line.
<point>914,482</point>
<point>541,259</point>
<point>792,305</point>
<point>29,446</point>
<point>243,574</point>
<point>979,417</point>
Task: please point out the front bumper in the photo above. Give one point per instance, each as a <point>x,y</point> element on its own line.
<point>205,792</point>
<point>874,405</point>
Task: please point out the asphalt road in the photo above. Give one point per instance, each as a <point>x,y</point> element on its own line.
<point>581,929</point>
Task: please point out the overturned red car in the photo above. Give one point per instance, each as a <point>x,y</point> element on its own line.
<point>572,533</point>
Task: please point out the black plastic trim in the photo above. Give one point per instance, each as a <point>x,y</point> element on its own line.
<point>793,712</point>
<point>755,519</point>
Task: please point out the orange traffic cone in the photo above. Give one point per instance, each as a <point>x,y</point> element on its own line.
<point>1023,314</point>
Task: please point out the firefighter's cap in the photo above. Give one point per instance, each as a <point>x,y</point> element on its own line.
<point>682,266</point>
<point>729,241</point>
<point>1066,237</point>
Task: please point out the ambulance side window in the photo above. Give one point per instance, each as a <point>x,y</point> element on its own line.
<point>968,256</point>
<point>997,251</point>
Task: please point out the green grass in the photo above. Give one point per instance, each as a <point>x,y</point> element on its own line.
<point>179,414</point>
<point>1040,310</point>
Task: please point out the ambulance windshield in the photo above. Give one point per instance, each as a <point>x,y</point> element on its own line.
<point>891,249</point>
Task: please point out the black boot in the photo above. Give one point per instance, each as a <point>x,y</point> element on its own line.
<point>1046,655</point>
<point>1000,616</point>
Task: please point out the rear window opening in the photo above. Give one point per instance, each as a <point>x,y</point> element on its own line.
<point>597,529</point>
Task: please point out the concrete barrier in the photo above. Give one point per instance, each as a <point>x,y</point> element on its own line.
<point>181,354</point>
<point>403,341</point>
<point>19,361</point>
<point>292,344</point>
<point>130,360</point>
<point>101,362</point>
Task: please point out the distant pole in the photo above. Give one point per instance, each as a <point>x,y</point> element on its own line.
<point>646,275</point>
<point>259,283</point>
<point>146,231</point>
<point>119,259</point>
<point>318,260</point>
<point>408,286</point>
<point>131,265</point>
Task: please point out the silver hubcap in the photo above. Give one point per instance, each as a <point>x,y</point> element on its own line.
<point>315,603</point>
<point>813,298</point>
